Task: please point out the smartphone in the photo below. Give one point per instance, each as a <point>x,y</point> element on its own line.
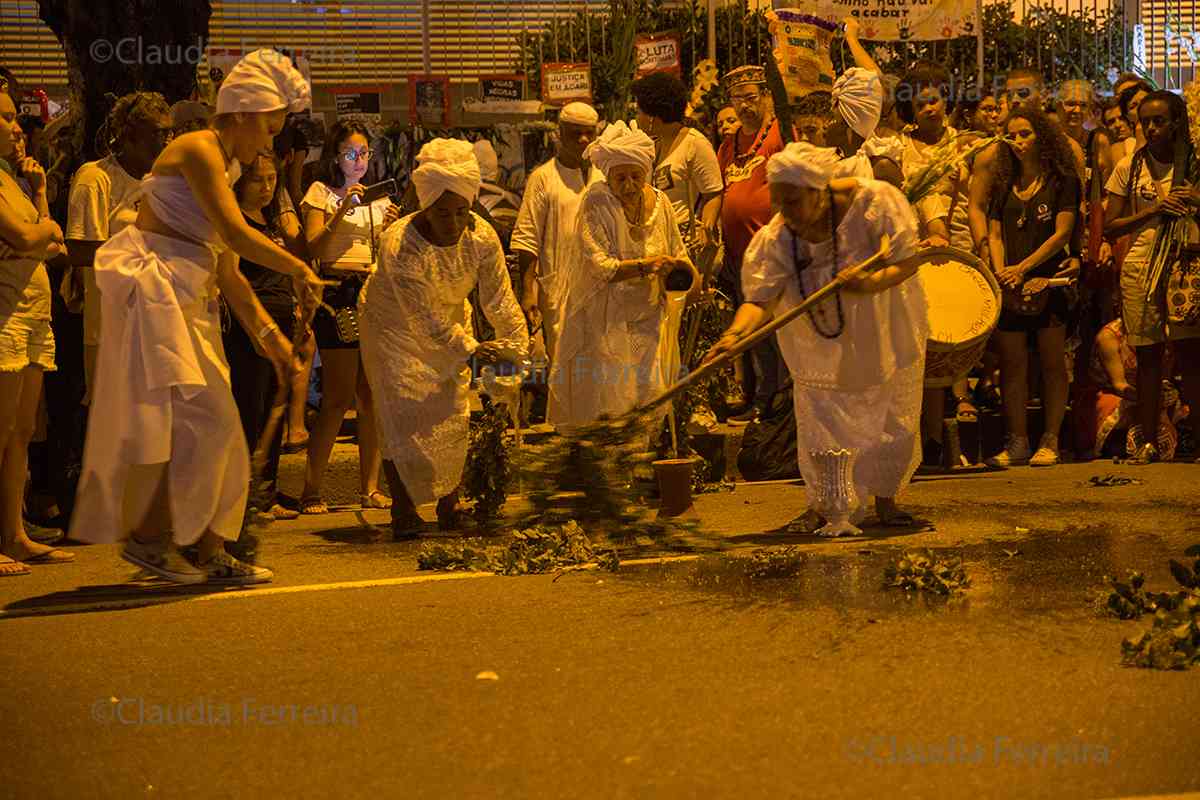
<point>378,191</point>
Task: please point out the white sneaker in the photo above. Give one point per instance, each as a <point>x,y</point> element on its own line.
<point>1046,455</point>
<point>1014,455</point>
<point>224,568</point>
<point>163,560</point>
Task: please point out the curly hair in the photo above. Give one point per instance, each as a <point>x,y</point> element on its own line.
<point>921,76</point>
<point>330,173</point>
<point>1054,152</point>
<point>661,95</point>
<point>130,111</point>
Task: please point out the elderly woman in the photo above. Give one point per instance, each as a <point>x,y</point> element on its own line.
<point>416,338</point>
<point>857,360</point>
<point>608,358</point>
<point>165,456</point>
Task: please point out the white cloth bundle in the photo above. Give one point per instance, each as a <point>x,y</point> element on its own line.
<point>858,97</point>
<point>620,144</point>
<point>802,164</point>
<point>489,162</point>
<point>264,80</point>
<point>446,165</point>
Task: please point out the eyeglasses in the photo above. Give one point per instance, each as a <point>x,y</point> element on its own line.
<point>1024,93</point>
<point>356,155</point>
<point>744,99</point>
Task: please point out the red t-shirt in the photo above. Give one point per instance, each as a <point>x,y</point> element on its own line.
<point>747,203</point>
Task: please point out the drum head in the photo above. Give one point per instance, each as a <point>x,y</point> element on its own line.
<point>964,298</point>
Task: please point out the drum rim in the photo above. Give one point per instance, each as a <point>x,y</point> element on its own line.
<point>976,262</point>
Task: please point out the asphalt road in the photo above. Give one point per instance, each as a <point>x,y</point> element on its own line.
<point>354,675</point>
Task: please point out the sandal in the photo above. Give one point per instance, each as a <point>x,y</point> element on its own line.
<point>313,504</point>
<point>376,499</point>
<point>51,556</point>
<point>806,524</point>
<point>10,568</point>
<point>966,410</point>
<point>290,448</point>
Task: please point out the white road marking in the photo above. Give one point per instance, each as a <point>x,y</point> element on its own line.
<point>162,598</point>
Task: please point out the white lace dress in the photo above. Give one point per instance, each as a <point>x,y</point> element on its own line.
<point>861,389</point>
<point>607,359</point>
<point>416,340</point>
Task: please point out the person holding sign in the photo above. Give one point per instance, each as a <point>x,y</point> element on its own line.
<point>546,222</point>
<point>857,360</point>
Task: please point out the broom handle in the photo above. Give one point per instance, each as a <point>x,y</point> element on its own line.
<point>769,329</point>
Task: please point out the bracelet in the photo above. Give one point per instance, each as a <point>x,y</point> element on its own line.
<point>266,329</point>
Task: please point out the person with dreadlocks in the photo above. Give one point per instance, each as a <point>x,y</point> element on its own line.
<point>102,199</point>
<point>857,360</point>
<point>1143,194</point>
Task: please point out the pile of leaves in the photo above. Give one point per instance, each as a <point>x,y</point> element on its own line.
<point>926,572</point>
<point>532,551</point>
<point>488,469</point>
<point>1173,642</point>
<point>775,562</point>
<point>1130,600</point>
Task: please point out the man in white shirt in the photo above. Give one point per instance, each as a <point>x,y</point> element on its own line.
<point>546,225</point>
<point>102,198</point>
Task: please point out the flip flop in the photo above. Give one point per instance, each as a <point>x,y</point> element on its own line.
<point>10,568</point>
<point>806,524</point>
<point>52,556</point>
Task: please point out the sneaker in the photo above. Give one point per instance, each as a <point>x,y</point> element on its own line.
<point>744,418</point>
<point>224,568</point>
<point>1046,456</point>
<point>161,559</point>
<point>280,513</point>
<point>1146,454</point>
<point>1014,455</point>
<point>43,535</point>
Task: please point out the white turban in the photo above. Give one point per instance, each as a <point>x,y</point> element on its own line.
<point>858,97</point>
<point>446,165</point>
<point>489,162</point>
<point>579,114</point>
<point>802,164</point>
<point>263,81</point>
<point>620,144</point>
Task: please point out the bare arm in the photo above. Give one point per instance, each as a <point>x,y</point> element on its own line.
<point>710,212</point>
<point>261,329</point>
<point>861,57</point>
<point>529,284</point>
<point>980,190</point>
<point>883,279</point>
<point>25,237</point>
<point>1117,221</point>
<point>319,224</point>
<point>995,242</point>
<point>748,318</point>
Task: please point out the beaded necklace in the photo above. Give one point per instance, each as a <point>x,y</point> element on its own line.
<point>800,266</point>
<point>758,140</point>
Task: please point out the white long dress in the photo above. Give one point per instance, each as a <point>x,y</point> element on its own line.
<point>608,356</point>
<point>862,389</point>
<point>546,229</point>
<point>162,389</point>
<point>415,345</point>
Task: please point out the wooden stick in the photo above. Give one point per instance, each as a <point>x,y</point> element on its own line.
<point>769,329</point>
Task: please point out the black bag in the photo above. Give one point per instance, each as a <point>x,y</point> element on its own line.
<point>768,451</point>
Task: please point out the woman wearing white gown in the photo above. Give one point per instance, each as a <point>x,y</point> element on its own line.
<point>608,357</point>
<point>416,338</point>
<point>165,455</point>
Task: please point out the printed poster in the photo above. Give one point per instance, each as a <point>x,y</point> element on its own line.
<point>566,83</point>
<point>658,52</point>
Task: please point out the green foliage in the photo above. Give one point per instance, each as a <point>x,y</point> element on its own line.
<point>489,465</point>
<point>775,562</point>
<point>926,572</point>
<point>532,551</point>
<point>1173,642</point>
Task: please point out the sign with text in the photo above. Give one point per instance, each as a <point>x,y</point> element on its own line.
<point>501,94</point>
<point>658,52</point>
<point>902,20</point>
<point>801,49</point>
<point>566,83</point>
<point>359,104</point>
<point>429,99</point>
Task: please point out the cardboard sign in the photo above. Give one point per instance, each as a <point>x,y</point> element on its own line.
<point>499,88</point>
<point>801,49</point>
<point>566,83</point>
<point>658,52</point>
<point>429,99</point>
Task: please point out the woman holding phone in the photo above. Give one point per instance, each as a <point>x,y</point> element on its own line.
<point>343,234</point>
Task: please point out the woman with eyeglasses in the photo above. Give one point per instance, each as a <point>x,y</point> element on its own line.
<point>102,200</point>
<point>343,235</point>
<point>1031,221</point>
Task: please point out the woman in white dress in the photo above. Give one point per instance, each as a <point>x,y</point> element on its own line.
<point>858,359</point>
<point>416,336</point>
<point>166,457</point>
<point>608,358</point>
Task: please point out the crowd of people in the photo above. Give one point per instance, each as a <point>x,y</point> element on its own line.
<point>184,282</point>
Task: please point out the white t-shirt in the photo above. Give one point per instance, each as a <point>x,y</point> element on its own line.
<point>1142,197</point>
<point>351,240</point>
<point>688,172</point>
<point>101,202</point>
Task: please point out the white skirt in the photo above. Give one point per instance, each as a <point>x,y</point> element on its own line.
<point>162,401</point>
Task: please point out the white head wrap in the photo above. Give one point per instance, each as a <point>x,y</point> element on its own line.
<point>489,162</point>
<point>620,144</point>
<point>263,81</point>
<point>858,97</point>
<point>446,165</point>
<point>802,164</point>
<point>579,114</point>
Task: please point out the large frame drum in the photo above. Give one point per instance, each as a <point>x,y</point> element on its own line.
<point>964,307</point>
